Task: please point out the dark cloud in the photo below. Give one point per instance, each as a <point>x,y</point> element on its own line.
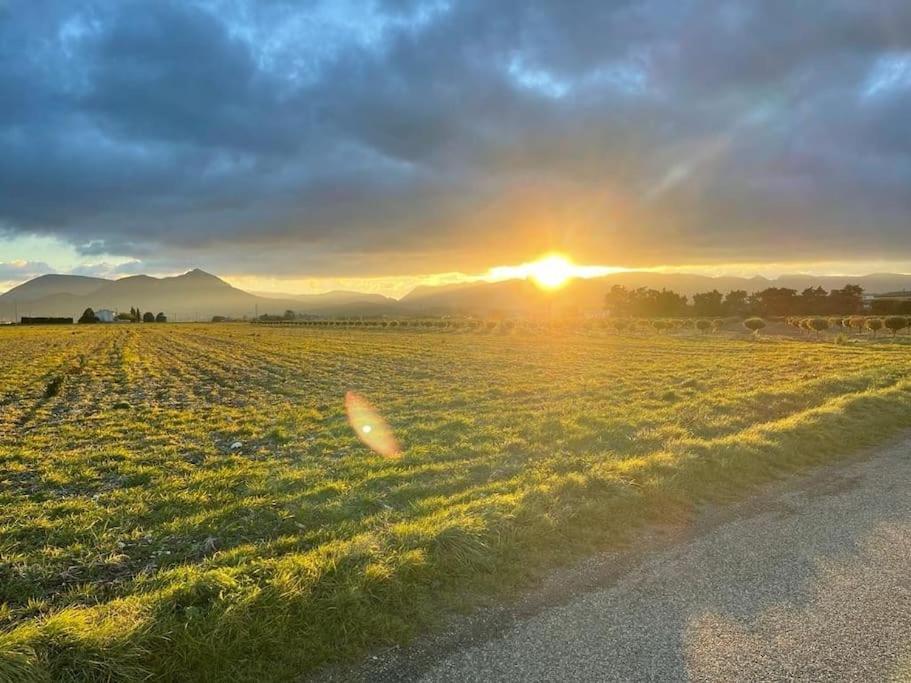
<point>421,135</point>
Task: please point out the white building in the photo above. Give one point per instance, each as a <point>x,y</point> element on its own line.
<point>105,315</point>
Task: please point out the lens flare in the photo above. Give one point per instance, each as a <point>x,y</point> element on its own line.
<point>370,428</point>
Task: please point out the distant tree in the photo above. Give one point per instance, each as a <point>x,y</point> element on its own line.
<point>874,325</point>
<point>813,301</point>
<point>708,304</point>
<point>148,317</point>
<point>289,315</point>
<point>895,323</point>
<point>776,302</point>
<point>736,302</point>
<point>847,300</point>
<point>125,316</point>
<point>703,325</point>
<point>754,325</point>
<point>617,301</point>
<point>161,318</point>
<point>88,316</point>
<point>818,325</point>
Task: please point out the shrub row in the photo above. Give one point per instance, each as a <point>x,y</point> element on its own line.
<point>855,323</point>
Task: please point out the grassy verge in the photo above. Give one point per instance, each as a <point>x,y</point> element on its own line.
<point>384,550</point>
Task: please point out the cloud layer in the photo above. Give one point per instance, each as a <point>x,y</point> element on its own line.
<point>417,136</point>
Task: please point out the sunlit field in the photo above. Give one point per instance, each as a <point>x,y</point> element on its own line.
<point>190,502</point>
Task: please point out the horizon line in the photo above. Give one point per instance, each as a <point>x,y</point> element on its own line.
<point>494,275</point>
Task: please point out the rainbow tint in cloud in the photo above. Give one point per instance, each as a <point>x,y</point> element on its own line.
<point>370,427</point>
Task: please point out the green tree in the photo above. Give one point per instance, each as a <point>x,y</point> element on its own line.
<point>776,301</point>
<point>161,318</point>
<point>88,316</point>
<point>708,304</point>
<point>736,302</point>
<point>148,317</point>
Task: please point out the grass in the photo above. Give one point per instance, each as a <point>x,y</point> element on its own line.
<point>136,543</point>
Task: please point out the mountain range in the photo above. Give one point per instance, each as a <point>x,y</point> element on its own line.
<point>198,295</point>
<point>195,295</point>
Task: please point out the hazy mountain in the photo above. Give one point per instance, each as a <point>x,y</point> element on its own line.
<point>188,296</point>
<point>200,295</point>
<point>330,299</point>
<point>524,296</point>
<point>433,290</point>
<point>193,295</point>
<point>48,285</point>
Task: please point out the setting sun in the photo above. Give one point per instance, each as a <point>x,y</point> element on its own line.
<point>551,272</point>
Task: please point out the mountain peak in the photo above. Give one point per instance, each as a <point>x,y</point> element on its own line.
<point>201,277</point>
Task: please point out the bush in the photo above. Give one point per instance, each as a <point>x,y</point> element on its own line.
<point>895,323</point>
<point>161,318</point>
<point>874,325</point>
<point>818,325</point>
<point>856,323</point>
<point>619,324</point>
<point>703,326</point>
<point>148,317</point>
<point>754,325</point>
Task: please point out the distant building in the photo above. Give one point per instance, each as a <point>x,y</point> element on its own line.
<point>27,320</point>
<point>105,315</point>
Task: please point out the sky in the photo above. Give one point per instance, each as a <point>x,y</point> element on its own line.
<point>380,144</point>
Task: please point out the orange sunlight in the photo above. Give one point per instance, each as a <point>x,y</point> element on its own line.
<point>550,272</point>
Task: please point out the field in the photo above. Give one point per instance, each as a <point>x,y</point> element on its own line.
<point>137,539</point>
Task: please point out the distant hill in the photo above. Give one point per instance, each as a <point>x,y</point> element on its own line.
<point>193,295</point>
<point>330,299</point>
<point>48,285</point>
<point>524,296</point>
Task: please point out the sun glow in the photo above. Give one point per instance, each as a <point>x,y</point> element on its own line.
<point>549,272</point>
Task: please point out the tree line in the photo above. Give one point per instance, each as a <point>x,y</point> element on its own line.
<point>771,302</point>
<point>134,316</point>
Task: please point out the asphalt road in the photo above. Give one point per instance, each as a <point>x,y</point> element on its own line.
<point>814,585</point>
<point>810,582</point>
